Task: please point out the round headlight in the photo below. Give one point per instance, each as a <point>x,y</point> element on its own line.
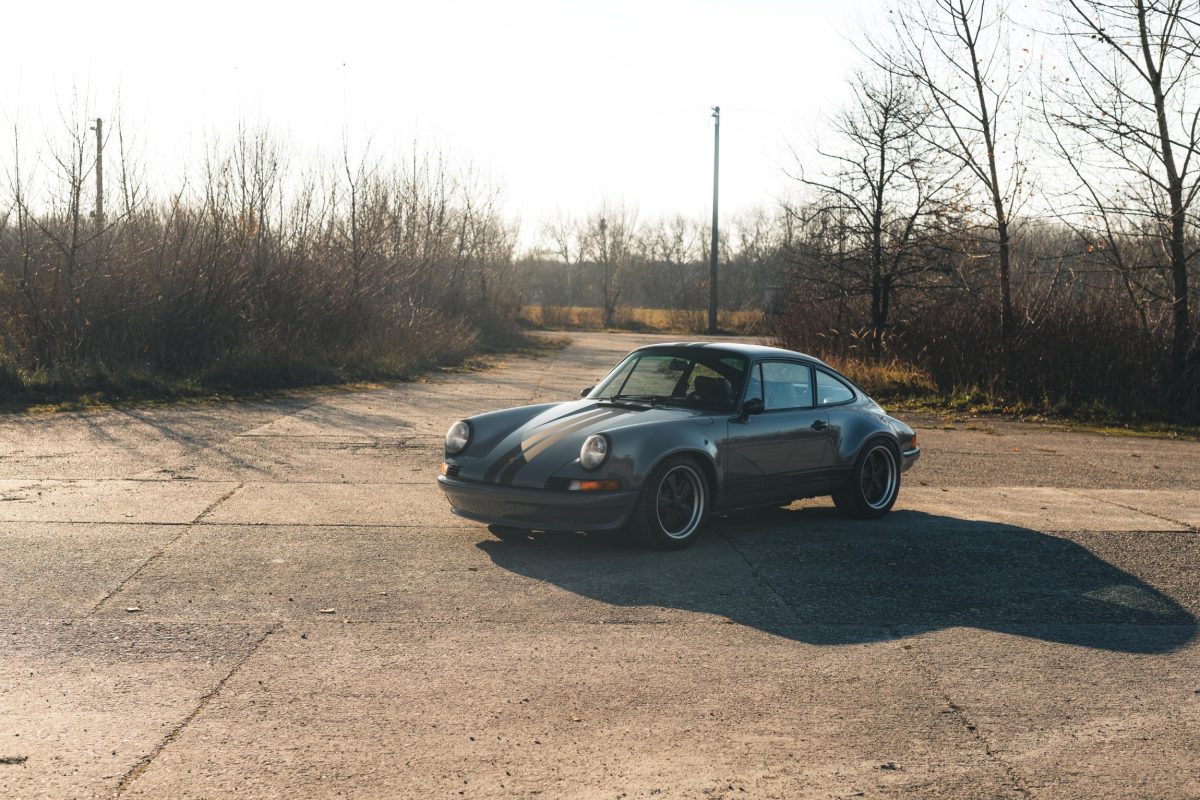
<point>457,437</point>
<point>594,451</point>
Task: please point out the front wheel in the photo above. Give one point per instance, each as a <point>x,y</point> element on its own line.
<point>874,484</point>
<point>672,505</point>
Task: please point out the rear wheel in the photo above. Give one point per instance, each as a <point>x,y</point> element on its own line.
<point>672,505</point>
<point>874,483</point>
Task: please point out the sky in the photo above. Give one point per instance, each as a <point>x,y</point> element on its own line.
<point>563,104</point>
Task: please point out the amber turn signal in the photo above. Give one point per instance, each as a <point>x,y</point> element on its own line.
<point>445,467</point>
<point>594,486</point>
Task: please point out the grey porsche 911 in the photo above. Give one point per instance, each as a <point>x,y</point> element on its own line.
<point>673,433</point>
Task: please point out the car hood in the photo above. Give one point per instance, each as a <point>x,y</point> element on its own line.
<point>532,452</point>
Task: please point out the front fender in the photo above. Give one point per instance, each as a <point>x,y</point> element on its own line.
<point>637,450</point>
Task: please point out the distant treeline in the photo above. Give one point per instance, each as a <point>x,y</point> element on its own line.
<point>611,260</point>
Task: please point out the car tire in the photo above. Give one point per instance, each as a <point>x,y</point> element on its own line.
<point>673,504</point>
<point>874,483</point>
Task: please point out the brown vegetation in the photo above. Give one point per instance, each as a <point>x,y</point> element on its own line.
<point>1085,359</point>
<point>255,275</point>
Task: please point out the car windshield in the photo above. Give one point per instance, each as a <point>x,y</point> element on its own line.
<point>698,378</point>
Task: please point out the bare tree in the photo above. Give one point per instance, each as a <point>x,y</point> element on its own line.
<point>19,256</point>
<point>562,238</point>
<point>889,187</point>
<point>358,183</point>
<point>958,52</point>
<point>608,238</point>
<point>1126,120</point>
<point>65,227</point>
<point>755,259</point>
<point>670,247</point>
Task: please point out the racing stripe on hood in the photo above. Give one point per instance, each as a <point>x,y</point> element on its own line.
<point>550,427</point>
<point>527,451</point>
<point>505,468</point>
<point>576,421</point>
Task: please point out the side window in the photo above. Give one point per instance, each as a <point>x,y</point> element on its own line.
<point>754,387</point>
<point>786,385</point>
<point>831,391</point>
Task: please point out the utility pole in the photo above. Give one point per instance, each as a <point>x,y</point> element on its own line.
<point>99,129</point>
<point>712,267</point>
<point>604,257</point>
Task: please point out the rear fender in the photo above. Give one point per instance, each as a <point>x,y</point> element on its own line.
<point>854,427</point>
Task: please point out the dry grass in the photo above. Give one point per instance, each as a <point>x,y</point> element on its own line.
<point>658,320</point>
<point>887,380</point>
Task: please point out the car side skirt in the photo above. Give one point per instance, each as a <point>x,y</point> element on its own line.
<point>819,483</point>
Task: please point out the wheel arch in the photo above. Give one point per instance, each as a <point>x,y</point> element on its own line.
<point>706,461</point>
<point>856,432</point>
<point>880,436</point>
<point>876,436</point>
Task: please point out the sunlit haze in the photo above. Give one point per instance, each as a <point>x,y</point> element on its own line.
<point>563,104</point>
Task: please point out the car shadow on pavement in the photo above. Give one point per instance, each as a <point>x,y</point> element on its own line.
<point>813,576</point>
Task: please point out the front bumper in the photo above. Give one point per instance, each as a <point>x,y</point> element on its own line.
<point>537,509</point>
<point>908,458</point>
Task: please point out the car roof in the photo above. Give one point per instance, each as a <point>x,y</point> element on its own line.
<point>751,351</point>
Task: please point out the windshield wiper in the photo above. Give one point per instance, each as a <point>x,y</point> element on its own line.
<point>652,399</point>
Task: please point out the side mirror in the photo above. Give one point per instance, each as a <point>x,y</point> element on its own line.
<point>752,406</point>
<point>586,391</point>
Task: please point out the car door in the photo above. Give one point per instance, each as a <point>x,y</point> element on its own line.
<point>773,454</point>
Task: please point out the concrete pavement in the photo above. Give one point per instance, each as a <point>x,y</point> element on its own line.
<point>271,599</point>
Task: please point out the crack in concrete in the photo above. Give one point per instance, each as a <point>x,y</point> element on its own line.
<point>128,578</point>
<point>143,764</point>
<point>761,578</point>
<point>961,715</point>
<point>1190,528</point>
<point>932,679</point>
<point>213,505</point>
<point>156,555</point>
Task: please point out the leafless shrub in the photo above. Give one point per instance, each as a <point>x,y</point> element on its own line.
<point>1081,350</point>
<point>363,265</point>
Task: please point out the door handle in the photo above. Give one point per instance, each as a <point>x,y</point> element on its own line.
<point>820,425</point>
